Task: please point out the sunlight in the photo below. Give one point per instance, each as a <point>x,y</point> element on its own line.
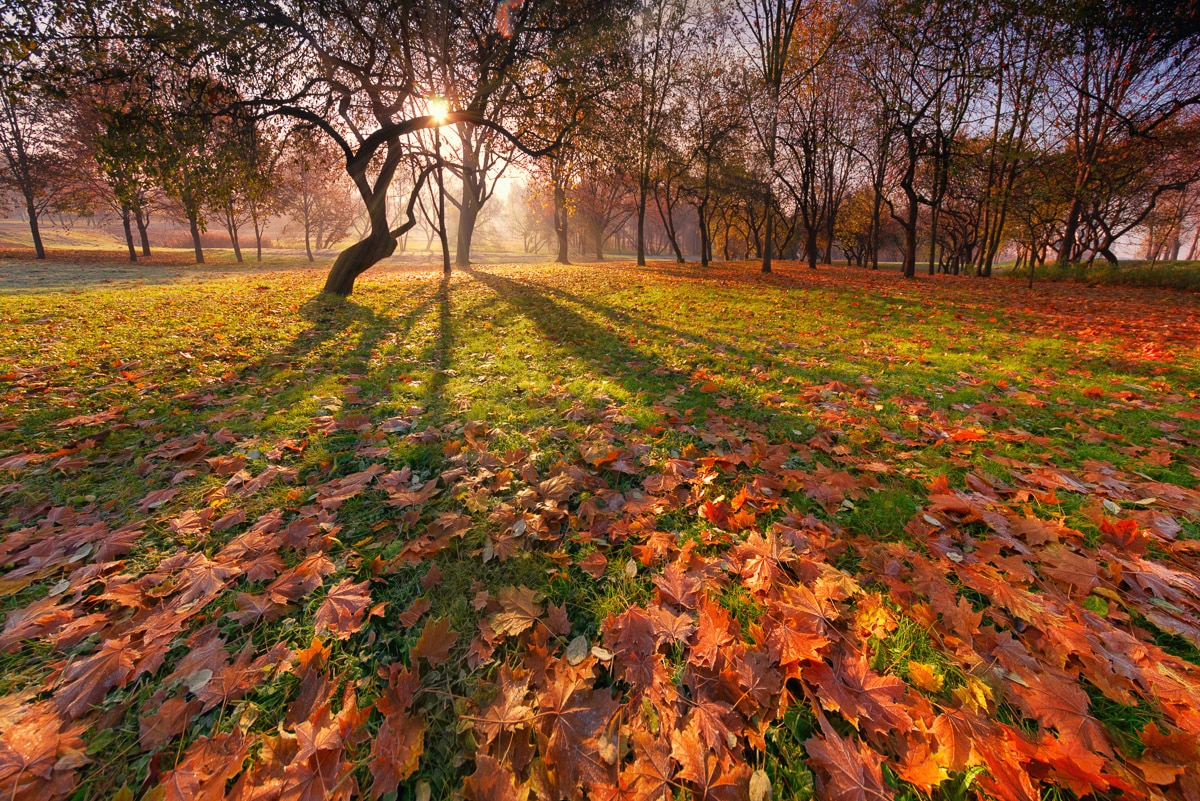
<point>439,108</point>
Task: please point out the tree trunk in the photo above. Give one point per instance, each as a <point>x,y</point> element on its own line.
<point>143,223</point>
<point>468,209</point>
<point>933,243</point>
<point>910,235</point>
<point>641,223</point>
<point>125,223</point>
<point>560,223</point>
<point>357,259</point>
<point>1067,252</point>
<point>38,248</point>
<point>468,213</point>
<point>194,227</point>
<point>256,222</point>
<point>441,209</point>
<point>231,225</point>
<point>810,246</point>
<point>768,234</point>
<point>705,242</point>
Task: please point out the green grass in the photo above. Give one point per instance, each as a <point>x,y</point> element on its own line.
<point>900,385</point>
<point>1183,275</point>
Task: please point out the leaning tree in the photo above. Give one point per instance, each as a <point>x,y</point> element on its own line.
<point>359,72</point>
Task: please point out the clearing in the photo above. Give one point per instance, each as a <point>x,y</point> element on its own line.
<point>599,530</point>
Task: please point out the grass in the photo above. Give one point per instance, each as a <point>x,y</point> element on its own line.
<point>902,386</point>
<point>1182,275</point>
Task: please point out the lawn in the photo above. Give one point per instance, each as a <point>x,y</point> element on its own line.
<point>600,531</point>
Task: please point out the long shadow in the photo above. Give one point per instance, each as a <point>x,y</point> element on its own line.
<point>586,339</point>
<point>440,353</point>
<point>606,353</point>
<point>708,344</point>
<point>623,316</point>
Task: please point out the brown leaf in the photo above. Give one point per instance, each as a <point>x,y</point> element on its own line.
<point>435,642</point>
<point>520,608</point>
<point>395,752</point>
<point>848,769</point>
<point>342,611</point>
<point>491,781</point>
<point>86,681</point>
<point>170,719</point>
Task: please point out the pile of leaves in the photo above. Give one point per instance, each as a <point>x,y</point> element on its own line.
<point>740,578</point>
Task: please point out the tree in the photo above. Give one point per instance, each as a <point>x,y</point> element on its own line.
<point>602,202</point>
<point>662,35</point>
<point>351,71</point>
<point>36,164</point>
<point>769,28</point>
<point>922,75</point>
<point>317,197</point>
<point>1130,75</point>
<point>712,124</point>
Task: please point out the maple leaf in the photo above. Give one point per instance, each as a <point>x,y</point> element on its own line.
<point>1067,567</point>
<point>956,733</point>
<point>342,611</point>
<point>865,698</point>
<point>520,608</point>
<point>491,781</point>
<point>155,499</point>
<point>410,616</point>
<point>39,755</point>
<point>650,776</point>
<point>714,634</point>
<point>169,720</point>
<point>88,680</point>
<point>849,770</point>
<point>925,677</point>
<point>508,711</point>
<point>594,564</point>
<point>321,777</point>
<point>206,766</point>
<point>631,638</point>
<point>572,721</point>
<point>435,642</point>
<point>714,776</point>
<point>676,587</point>
<point>921,769</point>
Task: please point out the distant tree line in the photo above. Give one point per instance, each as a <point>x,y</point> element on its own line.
<point>951,133</point>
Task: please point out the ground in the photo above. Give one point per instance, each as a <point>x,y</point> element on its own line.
<point>599,531</point>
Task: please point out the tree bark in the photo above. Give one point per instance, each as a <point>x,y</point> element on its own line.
<point>125,214</point>
<point>194,227</point>
<point>768,234</point>
<point>38,248</point>
<point>910,235</point>
<point>143,223</point>
<point>468,214</point>
<point>357,259</point>
<point>560,223</point>
<point>643,190</point>
<point>468,209</point>
<point>231,225</point>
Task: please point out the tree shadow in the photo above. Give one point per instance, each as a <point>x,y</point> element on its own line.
<point>606,352</point>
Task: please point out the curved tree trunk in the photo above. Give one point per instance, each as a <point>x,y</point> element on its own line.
<point>356,260</point>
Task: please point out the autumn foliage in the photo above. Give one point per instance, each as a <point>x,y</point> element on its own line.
<point>671,595</point>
